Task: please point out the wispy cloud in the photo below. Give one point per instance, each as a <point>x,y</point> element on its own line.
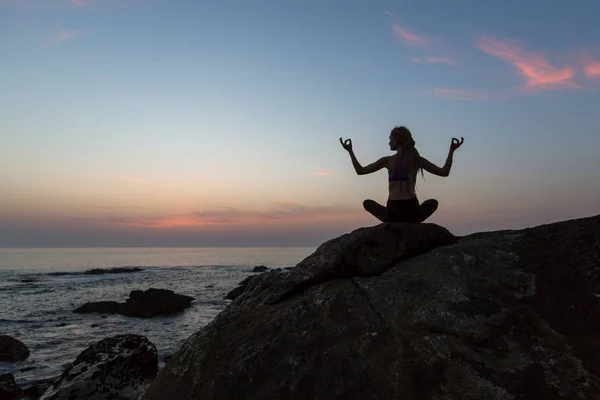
<point>460,94</point>
<point>323,173</point>
<point>410,38</point>
<point>61,36</point>
<point>81,3</point>
<point>592,69</point>
<point>228,216</point>
<point>389,13</point>
<point>537,71</point>
<point>433,60</point>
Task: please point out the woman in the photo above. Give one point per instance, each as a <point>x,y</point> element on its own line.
<point>402,203</point>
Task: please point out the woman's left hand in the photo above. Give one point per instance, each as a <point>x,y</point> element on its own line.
<point>346,144</point>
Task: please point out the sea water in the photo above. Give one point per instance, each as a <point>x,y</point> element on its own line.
<point>40,288</point>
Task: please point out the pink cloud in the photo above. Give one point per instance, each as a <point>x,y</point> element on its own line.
<point>231,216</point>
<point>592,69</point>
<point>61,36</point>
<point>537,71</point>
<point>433,60</point>
<point>460,94</point>
<point>81,3</point>
<point>323,173</point>
<point>409,38</point>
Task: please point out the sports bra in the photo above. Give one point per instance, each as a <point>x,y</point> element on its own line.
<point>399,172</point>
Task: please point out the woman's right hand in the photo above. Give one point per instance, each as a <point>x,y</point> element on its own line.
<point>456,144</point>
<point>346,144</point>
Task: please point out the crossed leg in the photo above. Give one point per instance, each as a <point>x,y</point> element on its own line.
<point>376,209</point>
<point>428,207</point>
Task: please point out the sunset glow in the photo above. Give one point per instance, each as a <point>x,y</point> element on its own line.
<point>218,123</point>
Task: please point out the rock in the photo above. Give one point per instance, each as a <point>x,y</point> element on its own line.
<point>141,304</point>
<point>8,388</point>
<point>37,388</point>
<point>120,270</point>
<point>106,307</point>
<point>119,367</point>
<point>153,302</point>
<point>397,313</point>
<point>259,268</point>
<point>364,252</point>
<point>12,349</point>
<point>234,293</point>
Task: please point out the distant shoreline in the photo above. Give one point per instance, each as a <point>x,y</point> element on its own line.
<point>155,247</point>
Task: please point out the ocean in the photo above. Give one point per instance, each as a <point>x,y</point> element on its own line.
<point>40,288</point>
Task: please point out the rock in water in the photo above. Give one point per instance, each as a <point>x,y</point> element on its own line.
<point>12,349</point>
<point>119,367</point>
<point>119,270</point>
<point>504,315</point>
<point>8,388</point>
<point>142,304</point>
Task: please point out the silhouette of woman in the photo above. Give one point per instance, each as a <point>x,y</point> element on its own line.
<point>402,204</point>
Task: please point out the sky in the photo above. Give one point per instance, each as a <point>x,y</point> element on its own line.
<point>216,123</point>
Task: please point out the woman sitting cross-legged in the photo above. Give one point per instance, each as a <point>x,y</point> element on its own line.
<point>402,204</point>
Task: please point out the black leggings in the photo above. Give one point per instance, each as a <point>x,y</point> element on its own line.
<point>402,210</point>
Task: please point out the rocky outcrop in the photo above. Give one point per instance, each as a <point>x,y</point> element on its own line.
<point>142,304</point>
<point>35,389</point>
<point>119,367</point>
<point>408,311</point>
<point>238,290</point>
<point>12,349</point>
<point>9,390</point>
<point>118,270</point>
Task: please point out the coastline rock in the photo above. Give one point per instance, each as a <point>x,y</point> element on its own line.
<point>119,367</point>
<point>37,388</point>
<point>259,268</point>
<point>9,390</point>
<point>390,312</point>
<point>237,291</point>
<point>118,270</point>
<point>12,349</point>
<point>141,304</point>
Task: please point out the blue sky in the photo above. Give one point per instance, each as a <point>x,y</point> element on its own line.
<point>217,123</point>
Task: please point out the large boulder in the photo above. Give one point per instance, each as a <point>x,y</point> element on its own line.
<point>12,349</point>
<point>9,390</point>
<point>119,367</point>
<point>406,312</point>
<point>142,304</point>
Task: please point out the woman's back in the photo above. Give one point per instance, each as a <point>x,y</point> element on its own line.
<point>399,185</point>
